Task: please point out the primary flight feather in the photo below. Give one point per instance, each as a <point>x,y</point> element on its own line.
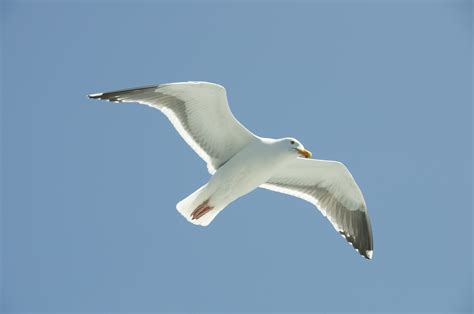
<point>240,161</point>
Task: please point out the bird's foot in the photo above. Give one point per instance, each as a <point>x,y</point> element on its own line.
<point>201,210</point>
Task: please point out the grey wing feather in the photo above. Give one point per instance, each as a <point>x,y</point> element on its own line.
<point>200,113</point>
<point>353,225</point>
<point>331,188</point>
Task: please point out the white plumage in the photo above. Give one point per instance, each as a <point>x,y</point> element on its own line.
<point>241,161</point>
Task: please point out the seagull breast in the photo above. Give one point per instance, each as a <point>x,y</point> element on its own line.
<point>254,165</point>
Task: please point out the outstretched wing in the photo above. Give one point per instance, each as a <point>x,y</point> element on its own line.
<point>332,189</point>
<point>200,113</point>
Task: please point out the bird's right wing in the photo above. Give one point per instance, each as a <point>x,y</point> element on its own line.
<point>200,113</point>
<point>331,188</point>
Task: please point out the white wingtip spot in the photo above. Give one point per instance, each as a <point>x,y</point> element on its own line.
<point>94,95</point>
<point>369,254</point>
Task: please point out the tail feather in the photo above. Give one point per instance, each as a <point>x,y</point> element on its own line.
<point>190,203</point>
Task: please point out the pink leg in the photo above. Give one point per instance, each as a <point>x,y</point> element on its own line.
<point>201,210</point>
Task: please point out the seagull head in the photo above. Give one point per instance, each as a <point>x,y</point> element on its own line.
<point>295,146</point>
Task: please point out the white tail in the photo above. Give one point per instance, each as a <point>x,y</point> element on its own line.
<point>190,203</point>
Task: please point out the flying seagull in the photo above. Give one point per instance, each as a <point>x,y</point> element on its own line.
<point>240,161</point>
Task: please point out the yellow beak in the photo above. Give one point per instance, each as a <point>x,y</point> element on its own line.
<point>304,153</point>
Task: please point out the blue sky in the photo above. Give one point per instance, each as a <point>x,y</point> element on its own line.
<point>89,188</point>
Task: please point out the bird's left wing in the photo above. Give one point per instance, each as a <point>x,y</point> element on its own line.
<point>331,188</point>
<point>200,113</point>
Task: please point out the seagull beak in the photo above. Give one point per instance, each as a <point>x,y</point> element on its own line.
<point>304,153</point>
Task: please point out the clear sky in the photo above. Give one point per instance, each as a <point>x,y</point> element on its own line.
<point>89,188</point>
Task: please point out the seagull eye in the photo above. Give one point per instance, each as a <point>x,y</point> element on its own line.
<point>292,142</point>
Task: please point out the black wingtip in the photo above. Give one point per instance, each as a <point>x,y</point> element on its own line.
<point>118,96</point>
<point>365,251</point>
<point>113,97</point>
<point>95,96</point>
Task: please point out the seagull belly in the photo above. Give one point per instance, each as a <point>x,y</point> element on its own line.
<point>244,172</point>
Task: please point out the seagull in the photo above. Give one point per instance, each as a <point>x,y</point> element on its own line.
<point>240,161</point>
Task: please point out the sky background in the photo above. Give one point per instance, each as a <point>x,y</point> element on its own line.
<point>89,188</point>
